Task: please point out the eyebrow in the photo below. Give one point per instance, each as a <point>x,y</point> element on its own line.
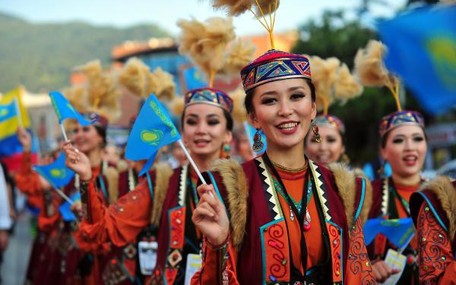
<point>207,116</point>
<point>291,89</point>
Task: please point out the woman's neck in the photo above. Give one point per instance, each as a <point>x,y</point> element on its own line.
<point>292,158</point>
<point>94,158</point>
<point>406,180</point>
<point>204,163</point>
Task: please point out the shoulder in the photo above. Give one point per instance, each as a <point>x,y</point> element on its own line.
<point>440,195</point>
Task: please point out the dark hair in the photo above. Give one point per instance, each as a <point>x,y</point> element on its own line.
<point>101,131</point>
<point>226,114</point>
<point>249,95</point>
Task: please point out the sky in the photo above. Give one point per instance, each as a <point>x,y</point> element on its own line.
<point>165,13</point>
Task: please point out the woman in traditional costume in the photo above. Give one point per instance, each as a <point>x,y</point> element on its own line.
<point>404,146</point>
<point>58,256</point>
<point>281,218</point>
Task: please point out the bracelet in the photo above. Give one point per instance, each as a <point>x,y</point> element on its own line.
<point>221,246</point>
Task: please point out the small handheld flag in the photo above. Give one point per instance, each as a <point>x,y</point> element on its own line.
<point>152,130</point>
<point>56,173</point>
<point>8,111</point>
<point>64,110</point>
<point>398,231</point>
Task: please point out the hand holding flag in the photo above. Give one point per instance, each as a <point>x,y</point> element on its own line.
<point>56,173</point>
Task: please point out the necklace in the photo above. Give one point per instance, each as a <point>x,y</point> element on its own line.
<point>288,169</point>
<point>131,180</point>
<point>298,205</point>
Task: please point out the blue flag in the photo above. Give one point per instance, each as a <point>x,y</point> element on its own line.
<point>8,111</point>
<point>422,51</point>
<point>65,208</point>
<point>250,131</point>
<point>56,173</point>
<point>64,110</point>
<point>398,231</point>
<point>194,79</point>
<point>152,130</point>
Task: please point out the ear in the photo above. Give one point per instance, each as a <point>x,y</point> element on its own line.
<point>314,110</point>
<point>228,137</point>
<point>253,120</point>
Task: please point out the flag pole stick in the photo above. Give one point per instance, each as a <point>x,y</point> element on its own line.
<point>63,131</point>
<point>191,161</point>
<point>18,111</point>
<point>64,196</point>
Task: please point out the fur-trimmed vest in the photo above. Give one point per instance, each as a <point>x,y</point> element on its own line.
<point>440,195</point>
<point>258,225</point>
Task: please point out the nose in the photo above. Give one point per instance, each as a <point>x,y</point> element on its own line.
<point>201,128</point>
<point>285,109</point>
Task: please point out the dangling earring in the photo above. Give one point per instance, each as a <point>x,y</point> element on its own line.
<point>225,151</point>
<point>257,143</point>
<point>316,134</point>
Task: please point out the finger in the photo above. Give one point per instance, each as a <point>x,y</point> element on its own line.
<point>207,207</point>
<point>200,214</point>
<point>203,188</point>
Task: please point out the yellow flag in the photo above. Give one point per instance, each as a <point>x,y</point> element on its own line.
<point>9,127</point>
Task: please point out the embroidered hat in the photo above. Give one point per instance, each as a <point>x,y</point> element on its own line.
<point>209,96</point>
<point>330,120</point>
<point>400,118</point>
<point>274,65</point>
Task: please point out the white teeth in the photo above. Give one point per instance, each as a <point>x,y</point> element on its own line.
<point>288,126</point>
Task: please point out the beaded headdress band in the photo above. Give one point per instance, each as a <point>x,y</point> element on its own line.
<point>400,118</point>
<point>274,65</point>
<point>209,96</point>
<point>330,120</point>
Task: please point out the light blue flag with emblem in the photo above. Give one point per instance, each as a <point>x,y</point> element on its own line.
<point>398,231</point>
<point>422,51</point>
<point>65,208</point>
<point>152,130</point>
<point>64,110</point>
<point>56,173</point>
<point>8,111</point>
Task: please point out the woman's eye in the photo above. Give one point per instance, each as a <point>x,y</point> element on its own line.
<point>268,101</point>
<point>297,96</point>
<point>213,122</point>
<point>418,139</point>
<point>331,140</point>
<point>190,122</point>
<point>397,141</point>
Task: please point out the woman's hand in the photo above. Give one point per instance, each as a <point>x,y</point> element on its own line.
<point>25,139</point>
<point>77,161</point>
<point>382,271</point>
<point>210,216</point>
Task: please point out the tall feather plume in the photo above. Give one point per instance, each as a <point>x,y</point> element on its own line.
<point>263,10</point>
<point>77,96</point>
<point>102,94</point>
<point>133,76</point>
<point>239,54</point>
<point>205,43</point>
<point>161,84</point>
<point>323,76</point>
<point>371,71</point>
<point>239,112</point>
<point>176,105</point>
<point>345,85</point>
<point>234,7</point>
